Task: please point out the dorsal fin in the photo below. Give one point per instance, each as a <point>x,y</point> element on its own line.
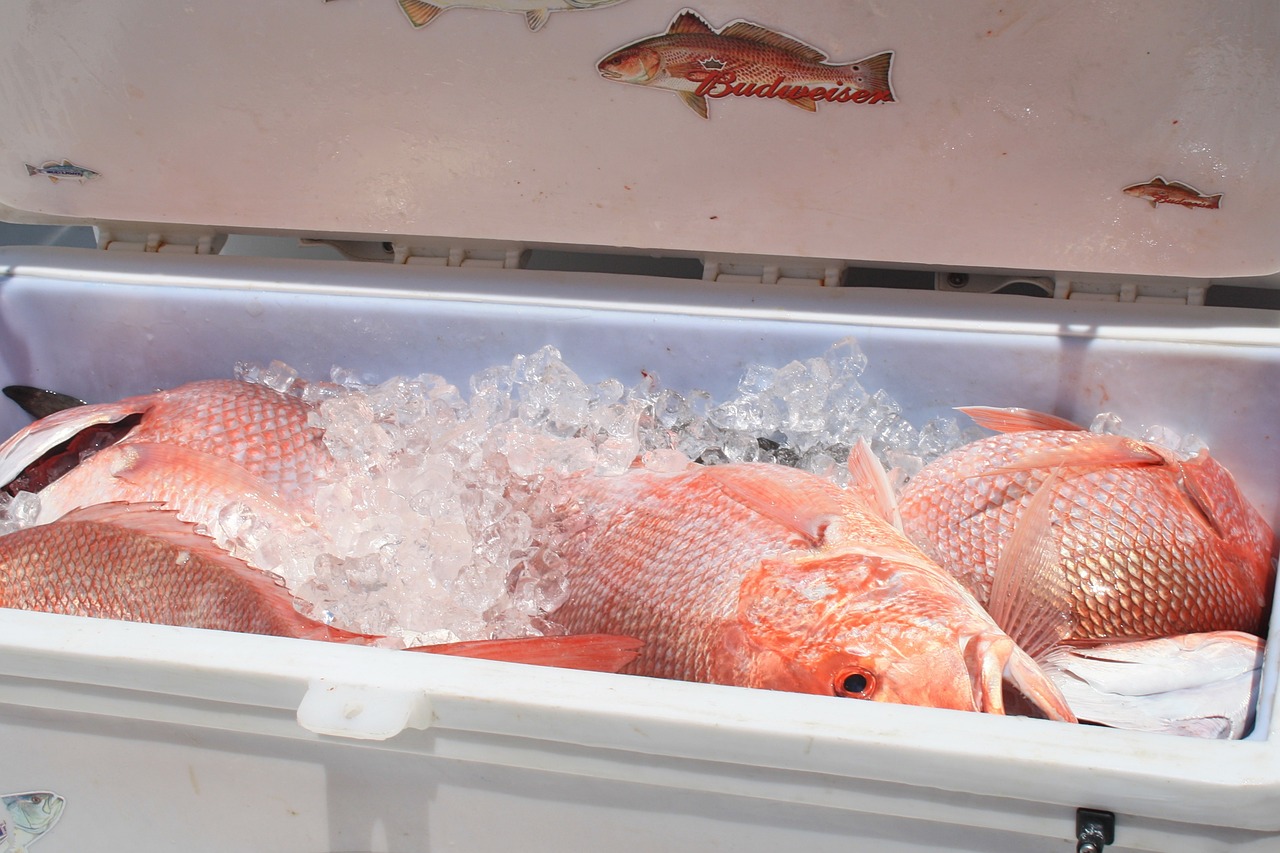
<point>1030,598</point>
<point>755,33</point>
<point>1015,419</point>
<point>795,499</point>
<point>870,482</point>
<point>690,21</point>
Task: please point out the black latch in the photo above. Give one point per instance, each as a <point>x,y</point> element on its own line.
<point>1094,830</point>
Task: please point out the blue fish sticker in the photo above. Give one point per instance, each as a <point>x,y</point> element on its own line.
<point>64,171</point>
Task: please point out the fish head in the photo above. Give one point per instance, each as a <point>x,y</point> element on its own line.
<point>34,812</point>
<point>865,626</point>
<point>632,64</point>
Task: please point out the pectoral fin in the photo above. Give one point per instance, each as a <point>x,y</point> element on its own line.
<point>697,103</point>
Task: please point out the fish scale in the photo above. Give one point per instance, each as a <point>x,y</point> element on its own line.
<point>760,575</point>
<point>1140,556</point>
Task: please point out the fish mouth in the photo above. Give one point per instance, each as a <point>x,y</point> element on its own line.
<point>609,74</point>
<point>1007,681</point>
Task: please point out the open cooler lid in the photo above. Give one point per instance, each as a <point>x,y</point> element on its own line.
<point>974,134</point>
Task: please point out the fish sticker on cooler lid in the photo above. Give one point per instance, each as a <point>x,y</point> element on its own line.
<point>746,60</point>
<point>26,817</point>
<point>61,171</point>
<point>536,12</point>
<point>1159,191</point>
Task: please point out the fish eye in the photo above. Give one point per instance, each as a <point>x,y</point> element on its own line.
<point>854,682</point>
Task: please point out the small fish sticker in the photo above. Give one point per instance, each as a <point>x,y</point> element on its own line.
<point>64,171</point>
<point>1159,191</point>
<point>25,818</point>
<point>745,60</point>
<point>536,12</point>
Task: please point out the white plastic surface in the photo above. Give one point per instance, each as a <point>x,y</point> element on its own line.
<point>1016,127</point>
<point>208,741</point>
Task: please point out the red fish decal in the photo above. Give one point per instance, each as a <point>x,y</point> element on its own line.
<point>744,59</point>
<point>1159,191</point>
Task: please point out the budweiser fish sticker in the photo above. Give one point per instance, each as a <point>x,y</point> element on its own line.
<point>536,12</point>
<point>746,60</point>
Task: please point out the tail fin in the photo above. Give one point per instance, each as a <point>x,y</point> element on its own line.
<point>595,652</point>
<point>872,74</point>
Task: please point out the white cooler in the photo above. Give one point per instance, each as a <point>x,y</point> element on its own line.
<point>442,161</point>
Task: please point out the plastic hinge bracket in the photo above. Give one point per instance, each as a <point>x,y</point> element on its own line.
<point>826,275</point>
<point>1067,286</point>
<point>362,712</point>
<point>180,242</point>
<point>503,257</point>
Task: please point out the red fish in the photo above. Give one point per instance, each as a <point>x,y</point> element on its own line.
<point>197,448</point>
<point>1159,191</point>
<point>759,575</point>
<point>1149,545</point>
<point>745,60</point>
<point>138,563</point>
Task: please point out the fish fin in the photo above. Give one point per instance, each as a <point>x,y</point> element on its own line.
<point>40,403</point>
<point>1198,496</point>
<point>1030,596</point>
<point>697,103</point>
<point>784,496</point>
<point>1098,451</point>
<point>419,12</point>
<point>877,70</point>
<point>870,482</point>
<point>1214,201</point>
<point>595,652</point>
<point>760,35</point>
<point>690,21</point>
<point>52,179</point>
<point>805,103</point>
<point>1154,204</point>
<point>537,18</point>
<point>29,444</point>
<point>1015,419</point>
<point>32,170</point>
<point>141,462</point>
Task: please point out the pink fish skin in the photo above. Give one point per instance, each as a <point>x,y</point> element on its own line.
<point>1151,545</point>
<point>196,447</point>
<point>758,575</point>
<point>139,563</point>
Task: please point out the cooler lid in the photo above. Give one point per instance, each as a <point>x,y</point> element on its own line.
<point>1135,138</point>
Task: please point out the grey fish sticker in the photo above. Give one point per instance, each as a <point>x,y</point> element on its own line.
<point>25,818</point>
<point>536,12</point>
<point>64,171</point>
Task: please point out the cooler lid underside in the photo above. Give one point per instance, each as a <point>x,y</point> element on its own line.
<point>1013,130</point>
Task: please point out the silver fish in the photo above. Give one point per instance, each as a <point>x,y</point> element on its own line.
<point>64,171</point>
<point>26,817</point>
<point>1201,685</point>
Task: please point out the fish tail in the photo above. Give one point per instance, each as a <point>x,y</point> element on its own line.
<point>31,170</point>
<point>1213,201</point>
<point>596,652</point>
<point>876,71</point>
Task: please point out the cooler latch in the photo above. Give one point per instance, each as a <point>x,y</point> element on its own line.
<point>180,242</point>
<point>1174,291</point>
<point>737,272</point>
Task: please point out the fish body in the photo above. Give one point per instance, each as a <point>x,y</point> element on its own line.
<point>64,171</point>
<point>1150,544</point>
<point>197,447</point>
<point>26,817</point>
<point>1199,685</point>
<point>536,12</point>
<point>138,563</point>
<point>1159,191</point>
<point>759,575</point>
<point>745,60</point>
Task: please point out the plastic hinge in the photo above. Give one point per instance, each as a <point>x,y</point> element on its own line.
<point>506,257</point>
<point>747,273</point>
<point>180,242</point>
<point>1064,286</point>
